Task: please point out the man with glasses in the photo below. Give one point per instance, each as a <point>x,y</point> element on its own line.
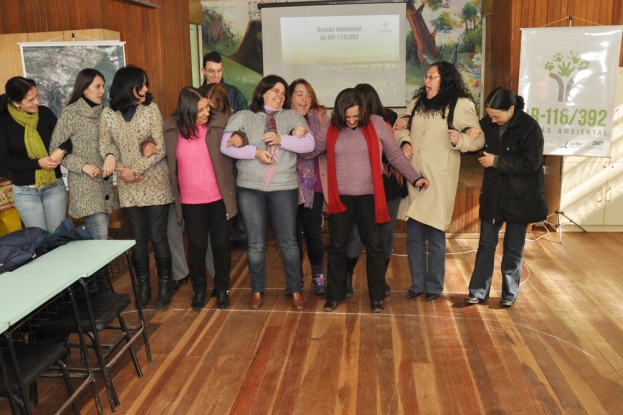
<point>213,72</point>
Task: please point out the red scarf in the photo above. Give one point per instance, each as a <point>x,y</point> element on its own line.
<point>372,140</point>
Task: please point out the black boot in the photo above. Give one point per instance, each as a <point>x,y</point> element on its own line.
<point>351,263</point>
<point>141,268</point>
<point>163,269</point>
<point>388,290</point>
<point>103,282</point>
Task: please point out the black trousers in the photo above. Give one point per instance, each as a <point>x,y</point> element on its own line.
<point>200,220</point>
<point>149,222</point>
<point>309,222</point>
<point>361,210</point>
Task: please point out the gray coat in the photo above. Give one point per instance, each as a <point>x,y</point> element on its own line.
<point>122,139</point>
<point>223,165</point>
<point>80,124</point>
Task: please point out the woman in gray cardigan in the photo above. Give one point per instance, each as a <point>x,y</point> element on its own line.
<point>267,182</point>
<point>144,190</point>
<point>92,195</point>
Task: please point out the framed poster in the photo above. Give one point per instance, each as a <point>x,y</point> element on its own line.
<point>54,66</point>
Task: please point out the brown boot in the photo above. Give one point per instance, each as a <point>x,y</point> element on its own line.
<point>256,300</point>
<point>298,303</point>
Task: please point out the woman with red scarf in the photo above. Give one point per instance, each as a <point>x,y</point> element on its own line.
<point>354,141</point>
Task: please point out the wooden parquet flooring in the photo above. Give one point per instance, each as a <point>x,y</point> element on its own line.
<point>558,350</point>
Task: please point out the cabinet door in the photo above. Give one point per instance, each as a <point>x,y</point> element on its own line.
<point>582,191</point>
<point>613,195</point>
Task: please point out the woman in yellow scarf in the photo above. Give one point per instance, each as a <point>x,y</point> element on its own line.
<point>25,133</point>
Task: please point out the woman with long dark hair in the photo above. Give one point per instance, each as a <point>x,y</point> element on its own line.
<point>395,189</point>
<point>25,134</point>
<point>512,192</point>
<point>92,195</point>
<point>144,190</point>
<point>266,183</point>
<point>312,175</point>
<point>433,140</point>
<point>204,189</point>
<point>354,141</point>
<point>219,101</point>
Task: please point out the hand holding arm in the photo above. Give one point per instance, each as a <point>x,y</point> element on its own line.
<point>408,150</point>
<point>91,170</point>
<point>272,138</point>
<point>422,182</point>
<point>236,140</point>
<point>149,149</point>
<point>57,155</point>
<point>299,132</point>
<point>402,123</point>
<point>247,152</point>
<point>473,132</point>
<point>47,163</point>
<point>109,165</point>
<point>125,173</point>
<point>487,160</point>
<point>264,156</point>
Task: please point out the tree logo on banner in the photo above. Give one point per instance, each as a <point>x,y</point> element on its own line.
<point>566,67</point>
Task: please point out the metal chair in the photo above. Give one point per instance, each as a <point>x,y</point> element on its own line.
<point>97,312</point>
<point>26,363</point>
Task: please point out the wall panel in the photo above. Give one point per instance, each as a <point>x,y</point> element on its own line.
<point>156,39</point>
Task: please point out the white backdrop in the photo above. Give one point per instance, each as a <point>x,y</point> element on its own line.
<point>568,78</point>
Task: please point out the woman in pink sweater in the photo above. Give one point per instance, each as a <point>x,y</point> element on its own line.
<point>203,187</point>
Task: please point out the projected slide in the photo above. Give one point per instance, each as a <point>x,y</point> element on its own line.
<point>338,46</point>
<point>339,40</point>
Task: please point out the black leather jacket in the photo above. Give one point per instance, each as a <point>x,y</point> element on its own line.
<point>513,190</point>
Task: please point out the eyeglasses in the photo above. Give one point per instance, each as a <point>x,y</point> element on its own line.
<point>432,77</point>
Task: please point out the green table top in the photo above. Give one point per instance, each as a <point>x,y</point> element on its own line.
<point>30,286</point>
<point>79,256</point>
<point>23,292</point>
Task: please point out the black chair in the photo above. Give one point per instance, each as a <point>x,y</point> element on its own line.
<point>97,312</point>
<point>22,366</point>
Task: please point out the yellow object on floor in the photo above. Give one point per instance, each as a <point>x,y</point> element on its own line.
<point>9,218</point>
<point>9,221</point>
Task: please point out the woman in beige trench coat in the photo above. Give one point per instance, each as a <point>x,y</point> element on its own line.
<point>432,136</point>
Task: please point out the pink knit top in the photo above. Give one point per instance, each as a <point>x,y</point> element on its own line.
<point>195,171</point>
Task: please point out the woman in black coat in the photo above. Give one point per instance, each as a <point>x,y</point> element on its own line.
<point>512,192</point>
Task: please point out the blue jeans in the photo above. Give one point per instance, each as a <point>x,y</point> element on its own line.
<point>97,225</point>
<point>282,205</point>
<point>426,275</point>
<point>44,208</point>
<point>512,259</point>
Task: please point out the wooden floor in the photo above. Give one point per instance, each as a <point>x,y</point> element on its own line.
<point>558,350</point>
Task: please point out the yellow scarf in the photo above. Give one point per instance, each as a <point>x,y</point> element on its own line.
<point>34,144</point>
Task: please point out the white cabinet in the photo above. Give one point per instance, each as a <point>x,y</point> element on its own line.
<point>591,191</point>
